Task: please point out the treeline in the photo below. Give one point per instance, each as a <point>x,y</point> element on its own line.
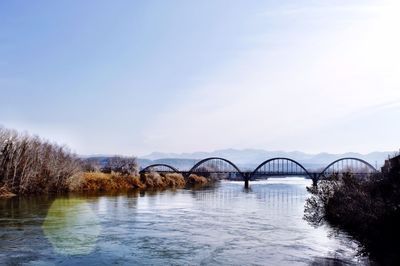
<point>116,164</point>
<point>367,208</point>
<point>29,164</point>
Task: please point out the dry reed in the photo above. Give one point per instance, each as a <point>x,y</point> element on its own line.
<point>196,179</point>
<point>162,181</point>
<point>97,181</point>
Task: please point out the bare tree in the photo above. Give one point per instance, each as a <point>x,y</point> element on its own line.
<point>122,165</point>
<point>29,164</point>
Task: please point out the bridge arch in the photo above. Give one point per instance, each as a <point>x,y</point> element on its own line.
<point>301,171</point>
<point>352,159</point>
<point>203,161</point>
<point>158,165</point>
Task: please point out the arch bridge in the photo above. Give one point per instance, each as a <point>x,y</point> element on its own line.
<point>221,168</point>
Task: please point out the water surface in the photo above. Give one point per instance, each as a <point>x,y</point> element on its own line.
<point>224,224</point>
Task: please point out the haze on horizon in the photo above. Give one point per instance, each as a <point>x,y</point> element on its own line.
<point>133,77</point>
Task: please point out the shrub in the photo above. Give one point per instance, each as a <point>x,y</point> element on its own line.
<point>122,165</point>
<point>161,181</point>
<point>196,179</point>
<point>369,209</point>
<point>103,182</point>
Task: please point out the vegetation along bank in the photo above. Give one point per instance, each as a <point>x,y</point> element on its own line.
<point>368,208</point>
<point>32,165</point>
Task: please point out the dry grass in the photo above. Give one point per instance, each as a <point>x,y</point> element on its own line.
<point>157,181</point>
<point>4,193</point>
<point>196,179</point>
<point>97,181</point>
<point>103,182</point>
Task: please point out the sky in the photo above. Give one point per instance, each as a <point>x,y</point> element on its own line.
<point>134,77</point>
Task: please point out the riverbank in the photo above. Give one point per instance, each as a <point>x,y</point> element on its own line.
<point>107,182</point>
<point>30,165</point>
<point>116,182</point>
<point>368,209</point>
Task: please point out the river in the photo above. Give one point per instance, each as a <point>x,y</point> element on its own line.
<point>223,224</point>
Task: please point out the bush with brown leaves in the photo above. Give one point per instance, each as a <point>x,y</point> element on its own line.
<point>97,181</point>
<point>196,179</point>
<point>161,181</point>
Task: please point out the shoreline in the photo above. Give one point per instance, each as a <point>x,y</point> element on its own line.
<point>99,182</point>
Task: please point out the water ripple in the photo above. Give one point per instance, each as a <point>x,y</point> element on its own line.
<point>223,225</point>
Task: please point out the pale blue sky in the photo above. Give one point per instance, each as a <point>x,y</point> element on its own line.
<point>132,77</point>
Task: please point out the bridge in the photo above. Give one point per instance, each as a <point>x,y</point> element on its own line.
<point>221,168</point>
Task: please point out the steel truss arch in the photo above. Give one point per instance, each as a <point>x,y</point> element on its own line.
<point>192,170</point>
<point>350,159</point>
<point>283,159</point>
<point>147,168</point>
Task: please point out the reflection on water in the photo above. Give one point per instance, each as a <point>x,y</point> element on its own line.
<point>225,224</point>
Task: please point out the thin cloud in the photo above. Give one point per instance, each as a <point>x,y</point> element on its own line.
<point>321,9</point>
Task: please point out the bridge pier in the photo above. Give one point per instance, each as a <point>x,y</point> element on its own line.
<point>315,180</point>
<point>246,183</point>
<point>246,180</point>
